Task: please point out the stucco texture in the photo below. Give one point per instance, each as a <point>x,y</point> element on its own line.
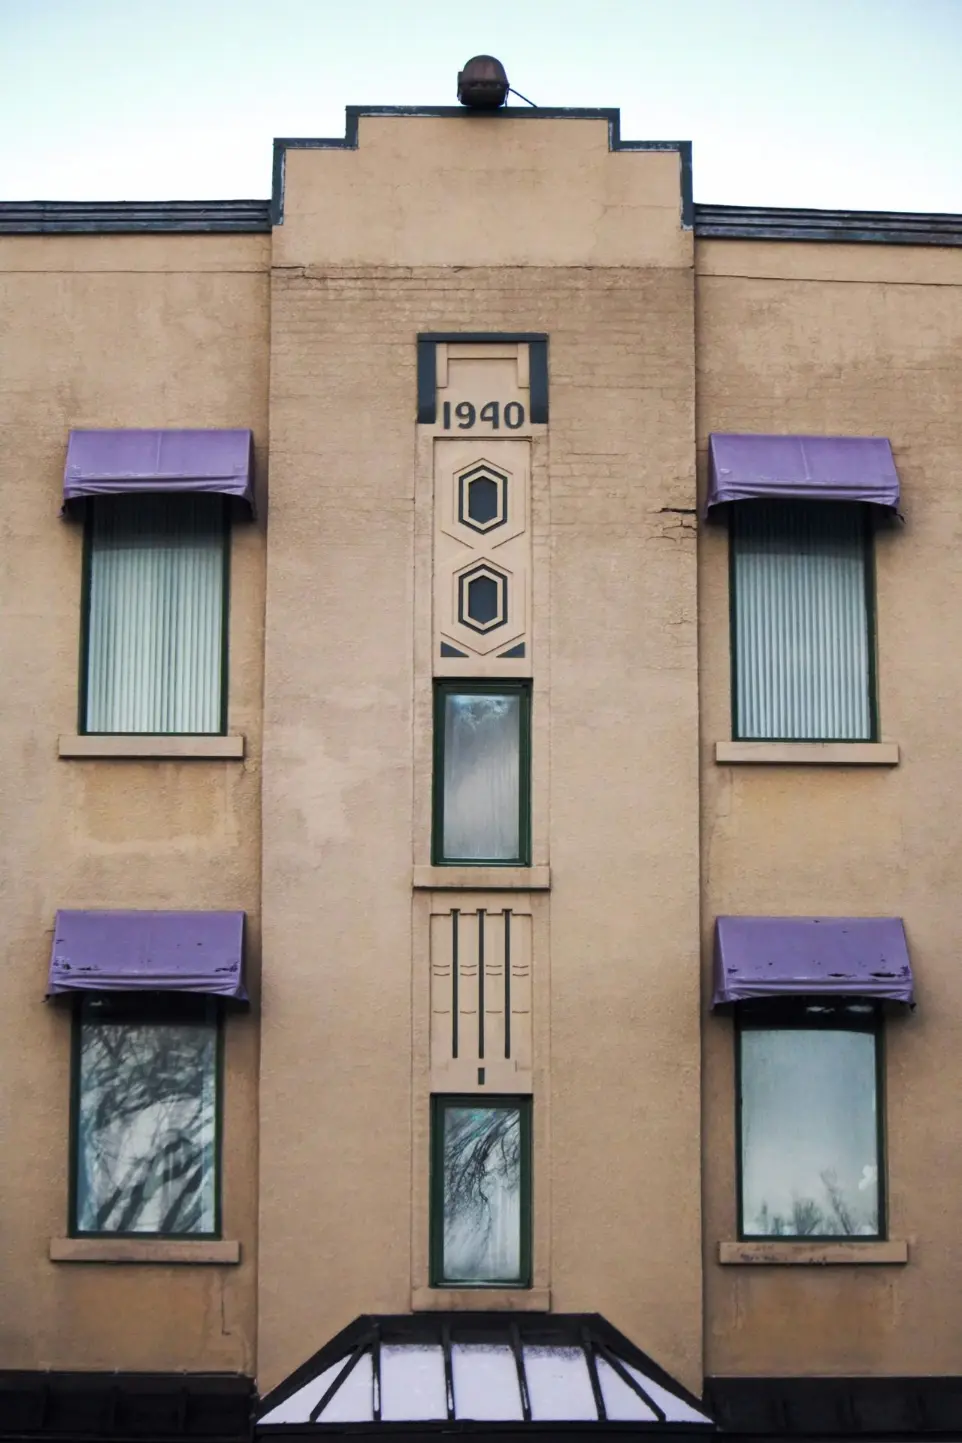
<point>471,224</point>
<point>855,341</point>
<point>346,767</point>
<point>114,332</point>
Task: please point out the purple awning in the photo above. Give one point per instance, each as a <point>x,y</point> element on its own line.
<point>148,952</point>
<point>812,468</point>
<point>113,463</point>
<point>806,956</point>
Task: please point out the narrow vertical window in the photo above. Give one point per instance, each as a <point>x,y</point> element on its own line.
<point>481,1192</point>
<point>803,649</point>
<point>810,1120</point>
<point>481,775</point>
<point>154,644</point>
<point>145,1117</point>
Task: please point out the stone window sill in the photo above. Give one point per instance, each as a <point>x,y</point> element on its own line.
<point>481,1300</point>
<point>832,754</point>
<point>143,1250</point>
<point>227,748</point>
<point>482,879</point>
<point>801,1254</point>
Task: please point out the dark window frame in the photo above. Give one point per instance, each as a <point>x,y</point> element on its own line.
<point>523,1104</point>
<point>85,595</point>
<point>871,623</point>
<point>453,686</point>
<point>142,1009</point>
<point>792,1014</point>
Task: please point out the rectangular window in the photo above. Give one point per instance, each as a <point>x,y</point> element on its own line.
<point>482,772</point>
<point>802,630</point>
<point>156,613</point>
<point>481,1192</point>
<point>810,1128</point>
<point>145,1117</point>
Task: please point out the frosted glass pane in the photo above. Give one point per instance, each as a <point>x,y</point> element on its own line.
<point>558,1385</point>
<point>485,1382</point>
<point>354,1400</point>
<point>622,1404</point>
<point>801,621</point>
<point>347,1405</point>
<point>156,614</point>
<point>482,1194</point>
<point>676,1410</point>
<point>809,1133</point>
<point>145,1128</point>
<point>482,777</point>
<point>412,1384</point>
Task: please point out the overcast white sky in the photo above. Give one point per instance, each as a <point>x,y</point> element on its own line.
<point>844,103</point>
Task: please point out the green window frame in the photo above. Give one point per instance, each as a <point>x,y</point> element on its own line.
<point>803,621</point>
<point>145,1116</point>
<point>155,613</point>
<point>466,1215</point>
<point>513,817</point>
<point>791,1055</point>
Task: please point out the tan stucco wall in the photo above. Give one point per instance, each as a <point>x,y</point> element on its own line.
<point>475,224</point>
<point>125,331</point>
<point>377,245</point>
<point>857,340</point>
<point>481,190</point>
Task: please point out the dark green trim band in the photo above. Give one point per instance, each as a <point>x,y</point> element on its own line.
<point>427,368</point>
<point>353,114</point>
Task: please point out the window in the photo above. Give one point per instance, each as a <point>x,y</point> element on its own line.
<point>481,772</point>
<point>481,1192</point>
<point>802,643</point>
<point>154,651</point>
<point>145,1116</point>
<point>810,1129</point>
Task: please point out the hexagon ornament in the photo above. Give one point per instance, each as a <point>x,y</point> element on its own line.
<point>483,597</point>
<point>482,498</point>
<point>482,556</point>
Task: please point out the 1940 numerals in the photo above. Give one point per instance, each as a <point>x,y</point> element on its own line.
<point>466,415</point>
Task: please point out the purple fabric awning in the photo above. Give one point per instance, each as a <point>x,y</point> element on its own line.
<point>148,952</point>
<point>812,468</point>
<point>114,463</point>
<point>806,956</point>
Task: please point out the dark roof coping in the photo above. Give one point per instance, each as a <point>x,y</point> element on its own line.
<point>253,217</point>
<point>854,227</point>
<point>134,217</point>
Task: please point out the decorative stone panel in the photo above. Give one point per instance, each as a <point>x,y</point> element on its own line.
<point>481,448</point>
<point>481,987</point>
<point>481,557</point>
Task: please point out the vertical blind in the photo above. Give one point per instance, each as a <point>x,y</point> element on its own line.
<point>801,621</point>
<point>155,629</point>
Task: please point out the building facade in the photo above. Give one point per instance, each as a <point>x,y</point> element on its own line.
<point>433,600</point>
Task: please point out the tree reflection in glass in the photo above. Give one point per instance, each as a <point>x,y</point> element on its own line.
<point>482,1167</point>
<point>145,1156</point>
<point>810,1152</point>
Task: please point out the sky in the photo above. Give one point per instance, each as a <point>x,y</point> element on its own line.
<point>850,104</point>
